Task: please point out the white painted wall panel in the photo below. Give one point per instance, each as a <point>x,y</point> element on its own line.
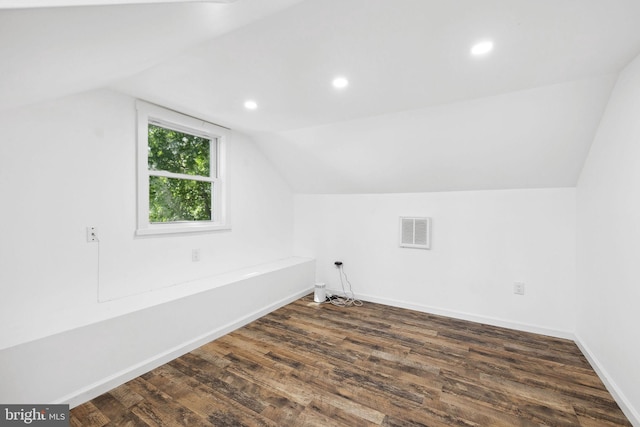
<point>79,364</point>
<point>482,242</point>
<point>609,244</point>
<point>70,163</point>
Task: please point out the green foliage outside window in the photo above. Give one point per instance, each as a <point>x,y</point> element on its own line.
<point>179,199</point>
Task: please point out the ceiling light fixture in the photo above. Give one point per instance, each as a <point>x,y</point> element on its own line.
<point>250,104</point>
<point>23,4</point>
<point>340,82</point>
<point>482,48</point>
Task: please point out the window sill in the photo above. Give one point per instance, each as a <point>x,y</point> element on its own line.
<point>173,228</point>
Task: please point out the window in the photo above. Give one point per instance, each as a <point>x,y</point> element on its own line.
<point>181,185</point>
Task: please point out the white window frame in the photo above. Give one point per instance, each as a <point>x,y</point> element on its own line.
<point>150,113</point>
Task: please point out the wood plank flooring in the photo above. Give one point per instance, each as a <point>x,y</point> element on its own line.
<point>311,365</point>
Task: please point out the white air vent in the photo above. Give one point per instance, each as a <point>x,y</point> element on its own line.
<point>415,232</point>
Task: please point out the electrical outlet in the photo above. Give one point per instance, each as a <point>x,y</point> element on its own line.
<point>518,288</point>
<point>92,234</point>
<point>195,255</point>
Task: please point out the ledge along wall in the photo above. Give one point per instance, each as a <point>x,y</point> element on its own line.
<point>71,163</point>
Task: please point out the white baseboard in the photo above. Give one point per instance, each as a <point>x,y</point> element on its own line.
<point>620,398</point>
<point>467,316</point>
<point>630,412</point>
<point>96,389</point>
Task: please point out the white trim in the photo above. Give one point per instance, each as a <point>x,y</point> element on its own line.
<point>625,405</point>
<point>180,227</point>
<point>150,113</point>
<point>525,327</point>
<point>174,175</point>
<point>94,390</point>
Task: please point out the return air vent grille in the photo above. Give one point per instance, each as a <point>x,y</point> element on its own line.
<point>415,232</point>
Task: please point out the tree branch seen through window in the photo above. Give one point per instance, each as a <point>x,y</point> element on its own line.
<point>173,158</point>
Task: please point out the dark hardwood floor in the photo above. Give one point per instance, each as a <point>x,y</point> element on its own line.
<point>310,365</point>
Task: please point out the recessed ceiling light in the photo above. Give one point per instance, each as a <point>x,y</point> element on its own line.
<point>482,48</point>
<point>340,82</point>
<point>250,104</point>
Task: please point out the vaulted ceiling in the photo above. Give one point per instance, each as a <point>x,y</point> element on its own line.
<point>420,112</point>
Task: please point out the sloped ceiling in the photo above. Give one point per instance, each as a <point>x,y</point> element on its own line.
<point>535,138</point>
<point>52,52</point>
<point>420,113</point>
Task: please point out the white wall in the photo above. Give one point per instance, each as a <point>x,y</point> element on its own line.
<point>79,364</point>
<point>70,163</point>
<point>609,244</point>
<point>482,242</point>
